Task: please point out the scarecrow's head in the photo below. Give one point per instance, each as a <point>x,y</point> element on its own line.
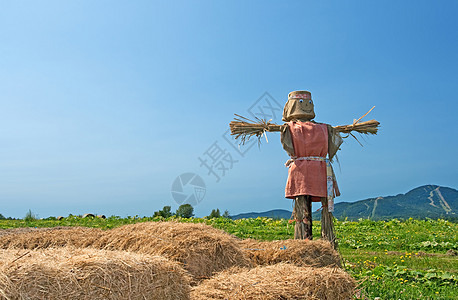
<point>299,107</point>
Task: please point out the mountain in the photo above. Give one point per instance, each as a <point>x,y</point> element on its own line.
<point>429,201</point>
<point>276,213</point>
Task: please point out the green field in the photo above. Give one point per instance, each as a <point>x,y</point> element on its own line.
<point>393,259</point>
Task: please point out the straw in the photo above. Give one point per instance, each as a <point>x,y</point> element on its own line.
<point>280,281</point>
<point>316,253</point>
<point>243,128</point>
<point>71,273</point>
<point>202,249</point>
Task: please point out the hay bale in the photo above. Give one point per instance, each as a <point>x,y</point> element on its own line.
<point>281,281</point>
<point>317,253</point>
<point>71,273</point>
<point>30,229</point>
<point>40,238</point>
<point>202,249</point>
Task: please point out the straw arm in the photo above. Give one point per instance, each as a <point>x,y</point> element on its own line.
<point>243,128</point>
<point>368,127</point>
<point>238,127</point>
<point>274,127</point>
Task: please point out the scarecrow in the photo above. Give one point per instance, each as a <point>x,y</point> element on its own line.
<point>312,147</point>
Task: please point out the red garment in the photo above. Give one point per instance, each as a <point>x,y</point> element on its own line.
<point>308,177</point>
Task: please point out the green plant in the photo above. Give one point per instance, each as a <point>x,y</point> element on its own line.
<point>30,216</point>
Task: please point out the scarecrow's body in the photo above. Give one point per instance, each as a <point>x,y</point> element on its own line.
<point>311,147</point>
<point>307,172</point>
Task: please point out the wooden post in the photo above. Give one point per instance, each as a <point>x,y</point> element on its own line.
<point>327,224</point>
<point>303,216</point>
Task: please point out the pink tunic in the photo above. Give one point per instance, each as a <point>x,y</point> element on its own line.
<point>308,177</point>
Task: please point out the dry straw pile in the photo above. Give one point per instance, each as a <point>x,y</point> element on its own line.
<point>317,253</point>
<point>52,237</point>
<point>29,229</point>
<point>134,262</point>
<point>70,273</point>
<point>202,249</point>
<point>281,281</point>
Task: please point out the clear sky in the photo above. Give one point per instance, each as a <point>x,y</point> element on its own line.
<point>104,103</point>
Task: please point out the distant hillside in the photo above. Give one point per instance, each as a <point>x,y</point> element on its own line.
<point>429,201</point>
<point>276,213</point>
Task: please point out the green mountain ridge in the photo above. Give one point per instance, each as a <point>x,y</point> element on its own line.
<point>428,201</point>
<point>275,213</point>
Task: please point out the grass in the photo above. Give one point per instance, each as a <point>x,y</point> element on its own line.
<point>390,259</point>
<point>402,275</point>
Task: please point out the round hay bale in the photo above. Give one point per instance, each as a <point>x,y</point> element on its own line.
<point>50,237</point>
<point>281,281</point>
<point>316,253</point>
<point>202,249</point>
<point>70,273</point>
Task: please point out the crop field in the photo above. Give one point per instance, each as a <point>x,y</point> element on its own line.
<point>412,259</point>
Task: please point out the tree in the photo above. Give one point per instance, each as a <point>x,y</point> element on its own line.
<point>185,211</point>
<point>2,217</point>
<point>215,213</point>
<point>226,214</point>
<point>166,212</point>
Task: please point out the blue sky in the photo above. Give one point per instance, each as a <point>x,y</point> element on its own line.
<point>104,103</point>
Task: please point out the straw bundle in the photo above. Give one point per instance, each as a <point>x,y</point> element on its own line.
<point>243,128</point>
<point>281,281</point>
<point>368,127</point>
<point>70,273</point>
<point>202,249</point>
<point>51,237</point>
<point>316,253</point>
<point>30,229</point>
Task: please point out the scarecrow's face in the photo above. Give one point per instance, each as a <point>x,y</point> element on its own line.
<point>298,109</point>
